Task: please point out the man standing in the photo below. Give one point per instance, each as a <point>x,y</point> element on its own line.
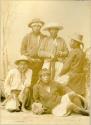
<point>74,66</point>
<point>30,46</point>
<point>53,50</point>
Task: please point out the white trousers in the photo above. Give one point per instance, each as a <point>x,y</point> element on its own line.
<point>62,108</point>
<point>70,102</point>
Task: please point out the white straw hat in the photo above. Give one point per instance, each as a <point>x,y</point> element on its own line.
<point>53,26</point>
<point>22,58</point>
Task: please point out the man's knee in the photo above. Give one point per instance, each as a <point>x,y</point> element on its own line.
<point>71,95</point>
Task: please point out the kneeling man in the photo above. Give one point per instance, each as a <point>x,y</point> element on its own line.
<point>17,84</point>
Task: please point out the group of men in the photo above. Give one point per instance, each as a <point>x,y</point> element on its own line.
<point>48,78</point>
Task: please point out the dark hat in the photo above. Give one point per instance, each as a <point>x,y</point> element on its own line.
<point>36,21</point>
<point>78,38</point>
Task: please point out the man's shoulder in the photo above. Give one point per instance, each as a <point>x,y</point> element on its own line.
<point>55,83</point>
<point>60,39</point>
<point>43,35</point>
<point>28,34</point>
<point>13,71</point>
<point>47,38</point>
<point>31,34</point>
<point>77,51</point>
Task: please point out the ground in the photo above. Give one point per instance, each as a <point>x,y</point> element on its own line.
<point>31,119</point>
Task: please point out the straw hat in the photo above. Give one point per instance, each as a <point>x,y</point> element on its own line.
<point>78,38</point>
<point>36,21</point>
<point>53,26</point>
<point>22,58</point>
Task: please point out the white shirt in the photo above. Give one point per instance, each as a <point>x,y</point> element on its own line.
<point>14,80</point>
<point>47,88</point>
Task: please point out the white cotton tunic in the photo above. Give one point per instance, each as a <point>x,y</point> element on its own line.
<point>14,80</point>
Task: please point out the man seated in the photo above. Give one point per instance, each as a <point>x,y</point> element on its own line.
<point>17,84</point>
<point>49,95</point>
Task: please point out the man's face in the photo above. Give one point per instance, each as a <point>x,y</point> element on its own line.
<point>45,78</point>
<point>53,32</point>
<point>73,44</point>
<point>36,28</point>
<point>23,66</point>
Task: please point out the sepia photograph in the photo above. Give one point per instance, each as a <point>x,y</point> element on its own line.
<point>45,62</point>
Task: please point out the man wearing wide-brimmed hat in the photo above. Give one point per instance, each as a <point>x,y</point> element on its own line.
<point>53,50</point>
<point>74,66</point>
<point>18,80</point>
<point>30,46</point>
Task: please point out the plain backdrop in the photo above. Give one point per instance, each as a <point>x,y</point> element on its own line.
<point>75,16</point>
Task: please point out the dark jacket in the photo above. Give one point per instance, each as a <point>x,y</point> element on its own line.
<point>74,66</point>
<point>30,44</point>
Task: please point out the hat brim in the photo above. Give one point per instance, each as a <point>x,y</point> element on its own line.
<point>41,23</point>
<point>77,40</point>
<point>44,73</point>
<point>17,62</point>
<point>54,27</point>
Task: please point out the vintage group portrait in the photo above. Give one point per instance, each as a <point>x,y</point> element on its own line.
<point>45,62</point>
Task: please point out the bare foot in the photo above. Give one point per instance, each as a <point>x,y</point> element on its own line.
<point>2,106</point>
<point>85,112</point>
<point>24,110</point>
<point>3,103</point>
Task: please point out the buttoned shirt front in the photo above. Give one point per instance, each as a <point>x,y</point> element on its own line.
<point>52,46</point>
<point>14,80</point>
